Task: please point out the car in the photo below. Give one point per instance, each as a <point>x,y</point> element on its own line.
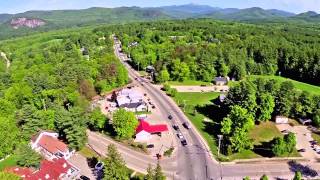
<point>186,125</point>
<point>99,166</point>
<point>175,127</point>
<point>170,117</point>
<point>302,150</point>
<point>150,146</point>
<point>153,107</point>
<point>84,177</point>
<point>184,142</point>
<point>180,136</point>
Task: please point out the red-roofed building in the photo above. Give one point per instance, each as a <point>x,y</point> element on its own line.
<point>57,169</point>
<point>48,144</point>
<point>145,130</point>
<point>20,171</point>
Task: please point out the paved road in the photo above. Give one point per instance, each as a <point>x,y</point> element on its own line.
<point>194,161</point>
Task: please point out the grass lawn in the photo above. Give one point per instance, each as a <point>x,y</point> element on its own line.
<point>193,99</point>
<point>316,137</point>
<point>299,85</point>
<point>188,83</point>
<point>88,153</point>
<point>264,132</point>
<point>10,161</point>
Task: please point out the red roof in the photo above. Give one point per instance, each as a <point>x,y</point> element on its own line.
<point>145,126</point>
<point>22,172</point>
<point>52,144</point>
<point>51,170</point>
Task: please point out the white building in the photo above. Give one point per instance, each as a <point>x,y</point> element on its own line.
<point>282,120</point>
<point>131,100</point>
<point>47,144</point>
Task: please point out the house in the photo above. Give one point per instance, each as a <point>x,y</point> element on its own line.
<point>49,169</point>
<point>131,100</point>
<point>221,81</point>
<point>48,144</point>
<point>222,97</point>
<point>145,130</point>
<point>305,121</point>
<point>150,69</point>
<point>281,120</point>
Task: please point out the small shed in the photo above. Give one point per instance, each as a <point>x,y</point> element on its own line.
<point>221,81</point>
<point>282,120</point>
<point>305,121</point>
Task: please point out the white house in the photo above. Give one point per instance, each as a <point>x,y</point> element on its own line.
<point>282,120</point>
<point>47,144</point>
<point>131,100</point>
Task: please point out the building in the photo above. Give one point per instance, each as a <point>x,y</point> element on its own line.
<point>145,130</point>
<point>282,120</point>
<point>48,145</point>
<point>221,81</point>
<point>305,121</point>
<point>56,169</point>
<point>222,97</point>
<point>131,100</point>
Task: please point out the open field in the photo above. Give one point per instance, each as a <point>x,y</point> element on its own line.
<point>264,132</point>
<point>189,83</point>
<point>299,85</point>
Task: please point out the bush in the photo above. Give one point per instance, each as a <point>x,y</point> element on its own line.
<point>166,87</point>
<point>173,92</point>
<point>168,152</point>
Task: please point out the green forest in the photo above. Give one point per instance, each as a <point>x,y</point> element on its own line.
<point>50,82</point>
<point>203,49</point>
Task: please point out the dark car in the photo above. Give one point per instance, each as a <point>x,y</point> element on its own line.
<point>153,107</point>
<point>170,117</point>
<point>150,146</point>
<point>175,127</point>
<point>186,125</point>
<point>84,177</point>
<point>302,150</point>
<point>184,142</point>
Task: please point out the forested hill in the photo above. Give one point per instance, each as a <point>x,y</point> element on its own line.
<point>202,49</point>
<point>58,19</point>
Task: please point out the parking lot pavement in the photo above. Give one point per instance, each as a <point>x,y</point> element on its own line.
<point>303,136</point>
<point>81,162</point>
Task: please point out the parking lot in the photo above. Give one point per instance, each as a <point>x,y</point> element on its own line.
<point>304,139</point>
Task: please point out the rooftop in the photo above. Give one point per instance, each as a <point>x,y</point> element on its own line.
<point>145,126</point>
<point>52,144</point>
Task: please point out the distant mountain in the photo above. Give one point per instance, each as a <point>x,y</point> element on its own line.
<point>248,14</point>
<point>188,10</point>
<point>309,16</point>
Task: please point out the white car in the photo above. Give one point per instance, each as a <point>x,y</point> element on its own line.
<point>180,136</point>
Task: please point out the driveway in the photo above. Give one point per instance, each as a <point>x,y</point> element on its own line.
<point>303,136</point>
<point>80,162</point>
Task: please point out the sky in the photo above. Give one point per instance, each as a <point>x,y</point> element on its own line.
<point>16,6</point>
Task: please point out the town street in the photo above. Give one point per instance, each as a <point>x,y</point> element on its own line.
<point>194,161</point>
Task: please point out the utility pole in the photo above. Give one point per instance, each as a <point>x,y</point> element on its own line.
<point>220,138</point>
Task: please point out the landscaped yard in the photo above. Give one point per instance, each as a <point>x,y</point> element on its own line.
<point>189,83</point>
<point>299,85</point>
<point>264,132</point>
<point>10,161</point>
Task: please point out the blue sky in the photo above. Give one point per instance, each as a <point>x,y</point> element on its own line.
<point>14,6</point>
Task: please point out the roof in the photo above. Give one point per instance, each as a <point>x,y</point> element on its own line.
<point>223,79</point>
<point>145,126</point>
<point>20,171</point>
<point>51,169</point>
<point>52,144</point>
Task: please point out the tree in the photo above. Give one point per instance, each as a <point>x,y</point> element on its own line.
<point>264,177</point>
<point>115,167</point>
<point>285,98</point>
<point>246,178</point>
<point>316,118</point>
<point>27,157</point>
<point>278,146</point>
<point>164,76</point>
<point>240,140</point>
<point>297,175</point>
<point>8,176</point>
<point>266,106</point>
<point>173,92</point>
<point>290,141</point>
<point>97,120</point>
<point>124,123</point>
<point>158,174</point>
<point>86,88</point>
<point>150,173</point>
<point>8,136</point>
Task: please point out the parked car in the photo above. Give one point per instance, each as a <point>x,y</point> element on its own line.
<point>153,107</point>
<point>186,125</point>
<point>175,127</point>
<point>180,136</point>
<point>84,177</point>
<point>99,166</point>
<point>302,150</point>
<point>150,146</point>
<point>184,142</point>
<point>170,117</point>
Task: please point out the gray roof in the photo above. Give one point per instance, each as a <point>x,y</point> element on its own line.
<point>220,79</point>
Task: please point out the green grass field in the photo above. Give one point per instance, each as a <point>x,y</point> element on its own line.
<point>264,132</point>
<point>188,83</point>
<point>299,85</point>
